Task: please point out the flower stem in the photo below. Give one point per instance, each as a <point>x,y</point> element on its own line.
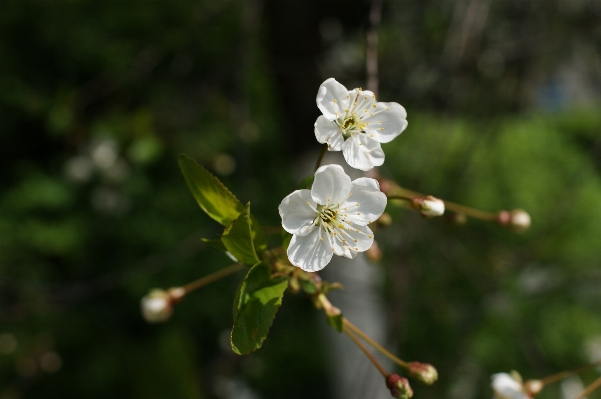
<point>451,206</point>
<point>320,158</point>
<point>564,374</point>
<point>201,282</point>
<point>373,343</point>
<point>371,56</point>
<point>590,388</point>
<point>367,353</point>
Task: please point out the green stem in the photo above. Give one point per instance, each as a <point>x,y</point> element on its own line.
<point>564,374</point>
<point>451,206</point>
<point>590,388</point>
<point>373,343</point>
<point>321,154</point>
<point>367,353</point>
<point>201,282</point>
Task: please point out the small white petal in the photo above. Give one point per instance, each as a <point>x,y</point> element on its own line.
<point>391,117</point>
<point>361,238</point>
<point>362,102</point>
<point>362,152</point>
<point>309,252</point>
<point>332,99</point>
<point>297,216</point>
<point>327,131</point>
<point>340,247</point>
<point>505,387</point>
<point>367,203</point>
<point>331,185</point>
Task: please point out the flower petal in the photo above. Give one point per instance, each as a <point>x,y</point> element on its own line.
<point>362,152</point>
<point>311,252</point>
<point>506,387</point>
<point>386,121</point>
<point>361,102</point>
<point>367,202</point>
<point>328,132</point>
<point>331,185</point>
<point>359,238</point>
<point>297,216</point>
<point>332,99</point>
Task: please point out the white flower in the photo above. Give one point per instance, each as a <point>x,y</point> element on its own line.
<point>331,218</point>
<point>355,123</point>
<point>505,386</point>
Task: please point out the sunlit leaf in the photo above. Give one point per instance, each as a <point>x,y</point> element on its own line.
<point>238,238</point>
<point>255,305</point>
<point>211,195</point>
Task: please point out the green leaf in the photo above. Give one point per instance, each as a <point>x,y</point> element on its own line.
<point>308,286</point>
<point>212,196</point>
<point>255,305</point>
<point>257,234</point>
<point>238,238</point>
<point>336,322</point>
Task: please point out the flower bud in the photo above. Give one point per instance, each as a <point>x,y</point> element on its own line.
<point>384,220</point>
<point>533,387</point>
<point>517,220</point>
<point>428,206</point>
<point>423,372</point>
<point>374,254</point>
<point>157,306</point>
<point>399,386</point>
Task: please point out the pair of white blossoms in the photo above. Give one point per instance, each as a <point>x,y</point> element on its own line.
<point>332,217</point>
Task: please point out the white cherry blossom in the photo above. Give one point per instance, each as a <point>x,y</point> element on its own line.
<point>331,218</point>
<point>355,123</point>
<point>505,386</point>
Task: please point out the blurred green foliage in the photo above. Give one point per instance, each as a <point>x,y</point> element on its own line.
<point>98,100</point>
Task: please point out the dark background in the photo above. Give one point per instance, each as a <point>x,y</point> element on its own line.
<point>98,98</point>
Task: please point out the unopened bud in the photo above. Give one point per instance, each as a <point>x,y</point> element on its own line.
<point>423,372</point>
<point>385,186</point>
<point>384,220</point>
<point>428,206</point>
<point>517,220</point>
<point>533,387</point>
<point>374,254</point>
<point>157,306</point>
<point>399,386</point>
